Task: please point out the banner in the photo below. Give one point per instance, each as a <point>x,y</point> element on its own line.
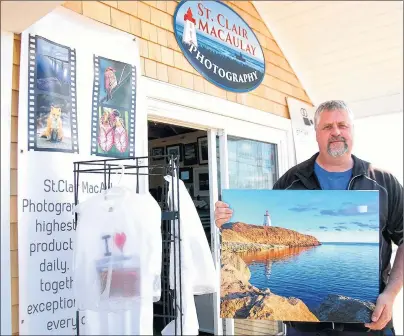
<point>80,99</point>
<point>304,135</point>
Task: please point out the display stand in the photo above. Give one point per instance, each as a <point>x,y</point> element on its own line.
<point>170,304</point>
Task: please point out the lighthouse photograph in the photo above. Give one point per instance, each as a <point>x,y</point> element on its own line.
<point>289,255</point>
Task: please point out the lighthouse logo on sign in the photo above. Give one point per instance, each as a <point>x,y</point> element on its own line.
<point>189,34</point>
<point>219,44</point>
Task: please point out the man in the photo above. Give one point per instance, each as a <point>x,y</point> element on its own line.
<point>333,168</point>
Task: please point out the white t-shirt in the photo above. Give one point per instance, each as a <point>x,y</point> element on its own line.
<point>117,259</point>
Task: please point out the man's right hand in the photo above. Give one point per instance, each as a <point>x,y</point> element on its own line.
<point>222,213</point>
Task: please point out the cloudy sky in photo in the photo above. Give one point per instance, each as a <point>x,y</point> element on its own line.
<point>330,216</point>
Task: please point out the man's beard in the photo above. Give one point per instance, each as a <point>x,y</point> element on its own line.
<point>336,152</point>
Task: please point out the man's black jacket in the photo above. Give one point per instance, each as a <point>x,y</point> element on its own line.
<point>364,177</point>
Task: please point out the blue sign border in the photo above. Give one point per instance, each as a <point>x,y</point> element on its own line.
<point>203,74</point>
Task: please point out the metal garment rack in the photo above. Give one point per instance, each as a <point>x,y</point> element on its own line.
<point>170,304</point>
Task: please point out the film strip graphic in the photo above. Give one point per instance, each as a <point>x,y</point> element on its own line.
<point>133,115</point>
<point>96,120</point>
<point>113,109</point>
<point>52,100</point>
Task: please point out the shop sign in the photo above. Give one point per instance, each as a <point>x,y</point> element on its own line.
<point>219,45</point>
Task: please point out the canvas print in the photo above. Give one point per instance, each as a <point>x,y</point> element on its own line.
<point>114,96</point>
<point>294,255</point>
<point>52,121</point>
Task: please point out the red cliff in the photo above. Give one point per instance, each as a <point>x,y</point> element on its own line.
<point>256,234</point>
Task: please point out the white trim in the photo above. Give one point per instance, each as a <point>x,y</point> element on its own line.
<point>172,104</point>
<point>228,324</point>
<point>214,231</point>
<point>224,160</point>
<point>160,91</point>
<point>7,40</point>
<point>169,112</point>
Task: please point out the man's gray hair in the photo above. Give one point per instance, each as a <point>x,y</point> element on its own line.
<point>332,105</point>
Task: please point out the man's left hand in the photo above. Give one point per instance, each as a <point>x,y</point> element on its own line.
<point>382,313</point>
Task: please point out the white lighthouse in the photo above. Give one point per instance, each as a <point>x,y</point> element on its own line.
<point>189,34</point>
<point>267,219</point>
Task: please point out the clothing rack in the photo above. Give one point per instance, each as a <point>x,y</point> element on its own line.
<point>170,304</point>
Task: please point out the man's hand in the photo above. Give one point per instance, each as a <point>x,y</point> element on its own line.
<point>384,304</point>
<point>222,213</point>
<point>383,311</point>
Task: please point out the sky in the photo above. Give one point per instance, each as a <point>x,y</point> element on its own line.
<point>217,8</point>
<point>329,215</point>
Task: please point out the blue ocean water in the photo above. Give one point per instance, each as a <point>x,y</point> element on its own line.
<point>310,274</point>
<point>224,50</point>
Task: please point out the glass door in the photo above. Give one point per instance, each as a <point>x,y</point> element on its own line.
<point>250,158</point>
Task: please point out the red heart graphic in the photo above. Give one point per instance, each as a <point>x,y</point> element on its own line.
<point>120,239</point>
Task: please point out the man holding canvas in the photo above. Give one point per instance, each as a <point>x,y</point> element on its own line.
<point>335,168</point>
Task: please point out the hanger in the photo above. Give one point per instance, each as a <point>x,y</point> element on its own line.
<point>122,173</point>
<point>137,175</point>
<point>109,195</point>
<point>118,190</point>
<point>172,168</point>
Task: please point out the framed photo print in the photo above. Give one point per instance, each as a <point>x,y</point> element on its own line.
<point>190,154</point>
<point>186,174</point>
<point>157,153</point>
<point>203,154</point>
<point>174,150</point>
<point>201,181</point>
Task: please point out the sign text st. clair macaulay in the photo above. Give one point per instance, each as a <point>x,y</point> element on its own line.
<point>219,44</point>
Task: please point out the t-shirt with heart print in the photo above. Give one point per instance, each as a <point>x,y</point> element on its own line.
<point>112,269</point>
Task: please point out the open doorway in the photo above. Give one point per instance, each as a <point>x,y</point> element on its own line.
<point>192,147</point>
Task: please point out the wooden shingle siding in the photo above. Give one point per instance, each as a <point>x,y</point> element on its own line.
<point>14,185</point>
<point>151,22</point>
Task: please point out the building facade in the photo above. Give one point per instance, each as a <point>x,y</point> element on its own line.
<point>168,72</point>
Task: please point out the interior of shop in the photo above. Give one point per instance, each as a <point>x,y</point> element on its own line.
<point>191,146</point>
